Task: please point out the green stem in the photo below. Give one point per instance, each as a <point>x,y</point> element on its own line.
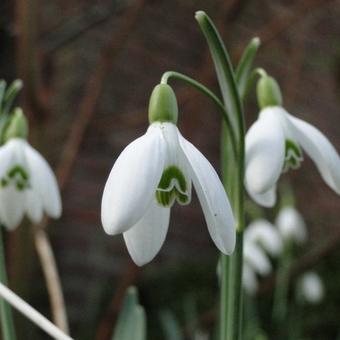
<point>280,305</point>
<point>231,303</point>
<point>7,325</point>
<point>208,93</point>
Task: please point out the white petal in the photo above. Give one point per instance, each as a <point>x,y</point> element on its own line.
<point>320,150</point>
<point>6,155</point>
<point>265,234</point>
<point>12,206</point>
<point>266,199</point>
<point>256,258</point>
<point>132,182</point>
<point>265,152</point>
<point>249,279</point>
<point>146,237</point>
<point>291,225</point>
<point>213,198</point>
<point>34,206</point>
<point>43,182</point>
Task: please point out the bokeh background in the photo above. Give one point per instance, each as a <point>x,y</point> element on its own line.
<point>89,68</point>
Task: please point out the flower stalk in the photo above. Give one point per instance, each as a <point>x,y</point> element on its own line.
<point>233,175</point>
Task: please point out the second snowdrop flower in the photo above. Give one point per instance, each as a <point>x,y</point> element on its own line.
<point>274,144</point>
<point>27,183</point>
<point>152,173</point>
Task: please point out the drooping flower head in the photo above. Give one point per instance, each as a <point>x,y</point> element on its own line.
<point>291,225</point>
<point>151,174</point>
<point>310,287</point>
<point>27,183</point>
<point>274,144</point>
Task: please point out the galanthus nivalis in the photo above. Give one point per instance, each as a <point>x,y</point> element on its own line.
<point>28,185</point>
<point>311,288</point>
<point>152,173</point>
<point>274,144</point>
<point>291,225</point>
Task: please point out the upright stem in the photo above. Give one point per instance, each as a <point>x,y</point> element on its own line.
<point>231,290</point>
<point>49,268</point>
<point>7,325</point>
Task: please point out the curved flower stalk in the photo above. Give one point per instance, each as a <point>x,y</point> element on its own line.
<point>27,183</point>
<point>152,173</point>
<point>310,288</point>
<point>291,225</point>
<point>274,144</point>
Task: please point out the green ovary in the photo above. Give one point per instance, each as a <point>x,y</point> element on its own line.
<point>171,187</point>
<point>16,176</point>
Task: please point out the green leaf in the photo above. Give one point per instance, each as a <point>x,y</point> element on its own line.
<point>171,327</point>
<point>243,71</point>
<point>11,93</point>
<point>2,92</point>
<point>224,71</point>
<point>131,323</point>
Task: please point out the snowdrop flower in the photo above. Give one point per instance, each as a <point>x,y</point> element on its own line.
<point>291,225</point>
<point>265,234</point>
<point>256,258</point>
<point>27,183</point>
<point>274,144</point>
<point>311,287</point>
<point>152,173</point>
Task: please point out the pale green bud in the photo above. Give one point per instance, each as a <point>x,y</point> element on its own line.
<point>163,105</point>
<point>17,126</point>
<point>268,92</point>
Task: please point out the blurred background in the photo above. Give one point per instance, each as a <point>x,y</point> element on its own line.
<point>88,69</point>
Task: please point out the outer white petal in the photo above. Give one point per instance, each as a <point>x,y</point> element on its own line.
<point>265,234</point>
<point>43,181</point>
<point>249,279</point>
<point>213,198</point>
<point>34,206</point>
<point>256,258</point>
<point>266,199</point>
<point>132,182</point>
<point>320,150</point>
<point>6,155</point>
<point>145,239</point>
<point>291,225</point>
<point>12,206</point>
<point>265,151</point>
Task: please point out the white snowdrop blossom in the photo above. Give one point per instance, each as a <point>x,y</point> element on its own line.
<point>27,185</point>
<point>256,258</point>
<point>274,144</point>
<point>152,173</point>
<point>311,287</point>
<point>291,225</point>
<point>265,234</point>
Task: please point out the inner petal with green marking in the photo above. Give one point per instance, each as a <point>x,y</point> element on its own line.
<point>16,176</point>
<point>172,186</point>
<point>293,156</point>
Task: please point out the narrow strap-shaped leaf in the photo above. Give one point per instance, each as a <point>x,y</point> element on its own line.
<point>126,323</point>
<point>224,71</point>
<point>243,71</point>
<point>172,329</point>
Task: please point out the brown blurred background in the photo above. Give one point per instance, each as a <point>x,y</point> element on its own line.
<point>88,69</point>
